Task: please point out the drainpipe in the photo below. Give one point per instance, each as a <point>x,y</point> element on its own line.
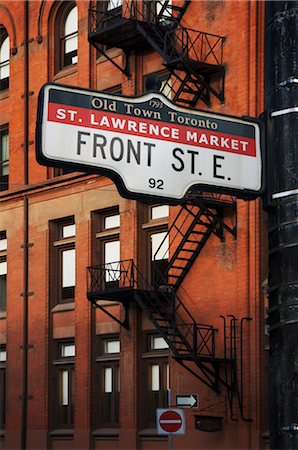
<point>26,232</point>
<point>281,102</point>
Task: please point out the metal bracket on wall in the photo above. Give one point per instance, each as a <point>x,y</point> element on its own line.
<point>123,323</point>
<point>126,69</point>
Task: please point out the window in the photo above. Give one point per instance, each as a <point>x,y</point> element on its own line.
<point>113,4</point>
<point>4,59</point>
<point>57,172</point>
<point>158,242</point>
<point>2,385</point>
<point>159,245</point>
<point>4,158</point>
<point>109,13</point>
<point>107,382</point>
<point>66,27</point>
<point>3,270</point>
<point>159,212</point>
<point>64,384</point>
<point>63,266</point>
<point>158,12</point>
<point>160,81</point>
<point>156,379</point>
<point>114,11</point>
<point>164,12</point>
<point>107,245</point>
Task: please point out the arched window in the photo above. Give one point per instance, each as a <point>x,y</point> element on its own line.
<point>67,30</point>
<point>4,59</point>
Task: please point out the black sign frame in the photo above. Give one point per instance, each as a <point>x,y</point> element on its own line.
<point>245,194</point>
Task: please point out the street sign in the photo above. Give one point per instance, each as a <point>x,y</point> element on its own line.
<point>187,400</point>
<point>170,421</point>
<point>147,145</point>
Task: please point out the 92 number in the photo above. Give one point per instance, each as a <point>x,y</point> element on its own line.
<point>157,184</point>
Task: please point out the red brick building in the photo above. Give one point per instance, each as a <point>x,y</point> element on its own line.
<point>84,364</point>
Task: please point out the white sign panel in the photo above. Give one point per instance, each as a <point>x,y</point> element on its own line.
<point>148,145</point>
<point>170,421</point>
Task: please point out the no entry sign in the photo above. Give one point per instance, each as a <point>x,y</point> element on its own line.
<point>170,421</point>
<point>147,145</point>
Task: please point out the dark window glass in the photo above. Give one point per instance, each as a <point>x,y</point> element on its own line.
<point>108,382</point>
<point>4,59</point>
<point>107,246</point>
<point>66,36</point>
<point>4,158</point>
<point>64,385</point>
<point>156,378</point>
<point>2,385</point>
<point>62,262</point>
<point>3,270</point>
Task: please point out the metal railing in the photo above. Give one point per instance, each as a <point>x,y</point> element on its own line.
<point>194,45</point>
<point>196,339</point>
<point>154,13</point>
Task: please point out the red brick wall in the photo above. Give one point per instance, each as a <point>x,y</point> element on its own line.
<point>225,279</point>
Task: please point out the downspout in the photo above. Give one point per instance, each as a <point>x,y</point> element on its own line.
<point>281,103</point>
<point>26,232</point>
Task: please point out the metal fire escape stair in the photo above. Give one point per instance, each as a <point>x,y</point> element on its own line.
<point>193,58</point>
<point>187,236</point>
<point>192,344</point>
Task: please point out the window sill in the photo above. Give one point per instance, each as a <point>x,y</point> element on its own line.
<point>63,433</point>
<point>106,433</point>
<point>4,94</point>
<point>63,307</point>
<point>108,233</point>
<point>69,70</point>
<point>152,433</point>
<point>155,223</point>
<point>3,315</point>
<point>156,354</point>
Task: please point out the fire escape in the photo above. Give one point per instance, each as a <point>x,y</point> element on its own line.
<point>192,344</point>
<point>194,59</point>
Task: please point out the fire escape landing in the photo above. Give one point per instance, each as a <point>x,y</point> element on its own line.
<point>194,59</point>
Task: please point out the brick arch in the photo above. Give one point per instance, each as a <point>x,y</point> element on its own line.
<point>47,13</point>
<point>10,27</point>
<point>39,21</point>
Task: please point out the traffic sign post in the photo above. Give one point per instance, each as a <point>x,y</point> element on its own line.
<point>170,421</point>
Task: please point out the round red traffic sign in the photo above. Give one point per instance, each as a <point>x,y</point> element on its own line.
<point>170,421</point>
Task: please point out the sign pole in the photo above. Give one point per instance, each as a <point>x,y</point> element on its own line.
<point>170,405</point>
<point>281,106</point>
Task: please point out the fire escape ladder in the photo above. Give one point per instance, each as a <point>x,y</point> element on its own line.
<point>187,236</point>
<point>234,371</point>
<point>188,89</point>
